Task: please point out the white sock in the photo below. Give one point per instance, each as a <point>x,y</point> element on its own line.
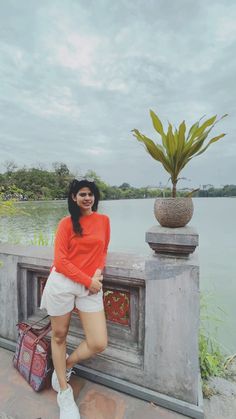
<point>62,391</point>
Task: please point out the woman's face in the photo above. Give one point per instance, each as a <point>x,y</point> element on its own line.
<point>84,199</point>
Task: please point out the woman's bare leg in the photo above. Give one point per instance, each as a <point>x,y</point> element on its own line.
<point>60,326</point>
<point>95,329</point>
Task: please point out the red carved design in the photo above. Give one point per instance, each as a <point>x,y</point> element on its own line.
<point>117,306</point>
<point>116,303</point>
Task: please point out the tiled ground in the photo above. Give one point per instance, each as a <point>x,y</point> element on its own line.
<point>19,401</point>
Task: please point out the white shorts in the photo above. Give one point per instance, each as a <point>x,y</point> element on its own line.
<point>61,295</point>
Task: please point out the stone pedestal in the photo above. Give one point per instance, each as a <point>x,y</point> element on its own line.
<point>172,241</point>
<point>172,312</point>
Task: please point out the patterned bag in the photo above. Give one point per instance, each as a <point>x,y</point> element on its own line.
<point>33,355</point>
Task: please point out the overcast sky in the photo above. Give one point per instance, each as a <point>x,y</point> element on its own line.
<point>76,76</point>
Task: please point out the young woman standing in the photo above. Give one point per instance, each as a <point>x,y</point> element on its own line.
<point>76,281</point>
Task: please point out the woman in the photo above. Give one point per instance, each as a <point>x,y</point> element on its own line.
<point>76,281</point>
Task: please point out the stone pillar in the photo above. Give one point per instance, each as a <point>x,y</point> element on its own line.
<point>172,313</point>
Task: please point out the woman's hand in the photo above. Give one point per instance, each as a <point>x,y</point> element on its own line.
<point>96,284</point>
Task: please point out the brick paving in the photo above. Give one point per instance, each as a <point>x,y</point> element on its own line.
<point>19,401</point>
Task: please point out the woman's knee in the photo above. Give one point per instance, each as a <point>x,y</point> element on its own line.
<point>97,345</point>
<point>59,335</point>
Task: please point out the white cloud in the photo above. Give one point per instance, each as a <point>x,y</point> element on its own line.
<point>226,30</point>
<point>12,55</point>
<point>96,151</point>
<point>78,76</point>
<point>78,52</point>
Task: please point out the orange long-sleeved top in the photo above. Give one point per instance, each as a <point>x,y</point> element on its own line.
<point>78,257</point>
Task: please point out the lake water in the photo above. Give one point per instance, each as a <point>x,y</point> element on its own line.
<point>214,219</point>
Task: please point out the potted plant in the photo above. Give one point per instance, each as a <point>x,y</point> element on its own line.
<point>176,150</point>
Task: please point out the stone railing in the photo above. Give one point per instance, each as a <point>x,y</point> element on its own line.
<point>152,311</point>
<point>124,300</point>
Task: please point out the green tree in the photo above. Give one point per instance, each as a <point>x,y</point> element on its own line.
<point>125,186</point>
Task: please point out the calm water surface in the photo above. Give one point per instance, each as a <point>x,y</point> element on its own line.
<point>214,219</point>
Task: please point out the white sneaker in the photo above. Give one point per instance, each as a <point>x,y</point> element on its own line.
<point>67,405</point>
<point>55,382</point>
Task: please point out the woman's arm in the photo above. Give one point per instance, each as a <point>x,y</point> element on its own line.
<point>107,240</point>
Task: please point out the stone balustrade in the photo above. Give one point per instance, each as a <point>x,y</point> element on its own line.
<point>152,311</point>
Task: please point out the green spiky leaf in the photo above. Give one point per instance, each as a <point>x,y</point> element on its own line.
<point>177,148</point>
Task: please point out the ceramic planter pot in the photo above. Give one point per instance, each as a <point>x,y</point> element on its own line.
<point>173,212</point>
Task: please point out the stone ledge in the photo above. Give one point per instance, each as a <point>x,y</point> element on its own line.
<point>175,241</point>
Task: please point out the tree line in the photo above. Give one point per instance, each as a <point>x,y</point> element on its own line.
<point>41,184</point>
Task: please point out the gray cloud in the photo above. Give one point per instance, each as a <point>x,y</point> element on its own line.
<point>77,77</point>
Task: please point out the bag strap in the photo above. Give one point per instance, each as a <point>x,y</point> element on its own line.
<point>45,331</point>
<point>34,323</point>
<point>45,317</point>
<point>38,321</point>
<point>31,364</point>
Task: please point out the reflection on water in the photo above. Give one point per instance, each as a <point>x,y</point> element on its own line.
<point>214,219</point>
<point>37,218</point>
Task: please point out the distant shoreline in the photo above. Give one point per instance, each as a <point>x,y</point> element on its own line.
<point>116,199</point>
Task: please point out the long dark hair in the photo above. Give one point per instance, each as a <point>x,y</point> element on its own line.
<point>73,208</point>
